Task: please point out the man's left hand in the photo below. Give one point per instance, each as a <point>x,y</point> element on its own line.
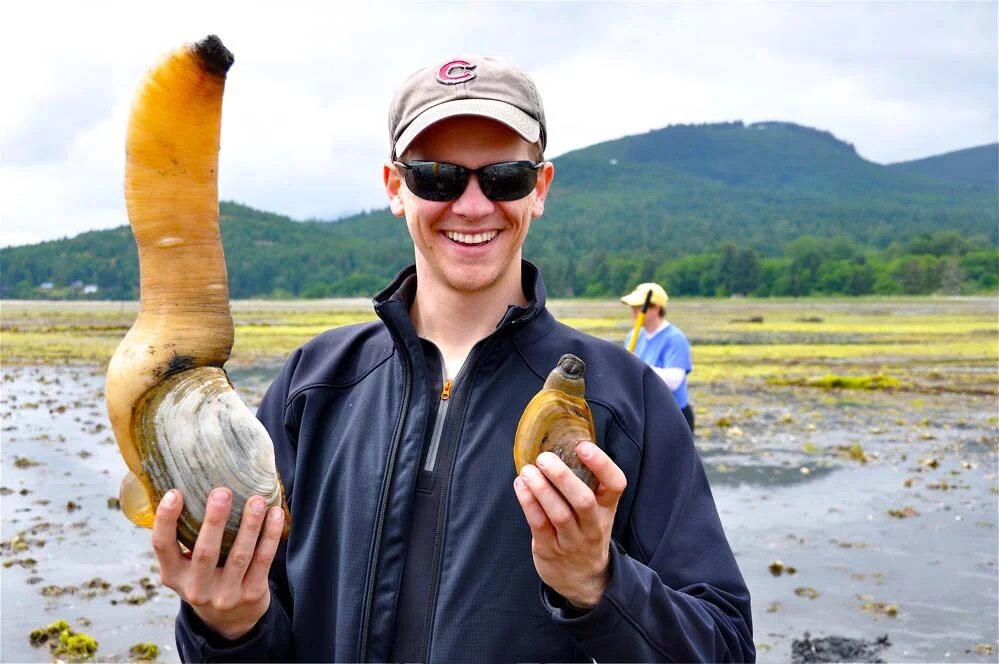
<point>570,524</point>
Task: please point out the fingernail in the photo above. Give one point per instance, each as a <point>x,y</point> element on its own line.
<point>585,449</point>
<point>276,514</point>
<point>527,473</point>
<point>257,505</point>
<point>544,459</point>
<point>518,483</point>
<point>220,496</point>
<point>170,499</point>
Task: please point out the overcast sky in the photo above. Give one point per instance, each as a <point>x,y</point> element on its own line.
<point>304,119</point>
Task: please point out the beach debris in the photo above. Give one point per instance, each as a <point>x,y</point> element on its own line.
<point>724,422</point>
<point>58,591</point>
<point>20,562</point>
<point>25,462</point>
<point>557,419</point>
<point>806,591</point>
<point>857,453</point>
<point>777,568</point>
<point>903,513</point>
<point>883,608</point>
<point>837,649</point>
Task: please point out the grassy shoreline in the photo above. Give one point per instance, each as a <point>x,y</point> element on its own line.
<point>925,343</point>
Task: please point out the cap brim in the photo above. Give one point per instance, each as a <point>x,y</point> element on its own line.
<point>633,300</point>
<point>527,127</point>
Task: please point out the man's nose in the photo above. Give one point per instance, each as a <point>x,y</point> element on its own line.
<point>472,202</point>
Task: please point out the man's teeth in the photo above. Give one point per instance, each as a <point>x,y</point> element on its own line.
<point>468,238</point>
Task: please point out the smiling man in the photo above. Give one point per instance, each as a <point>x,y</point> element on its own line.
<point>413,538</point>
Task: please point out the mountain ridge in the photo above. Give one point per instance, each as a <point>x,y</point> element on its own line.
<point>647,200</point>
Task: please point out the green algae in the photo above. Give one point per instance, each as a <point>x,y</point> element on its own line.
<point>837,382</point>
<point>144,651</point>
<point>76,645</point>
<point>43,634</point>
<point>64,641</point>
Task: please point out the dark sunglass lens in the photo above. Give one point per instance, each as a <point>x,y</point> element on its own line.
<point>508,181</point>
<point>434,181</point>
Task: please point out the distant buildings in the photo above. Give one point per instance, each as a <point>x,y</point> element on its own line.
<point>77,287</point>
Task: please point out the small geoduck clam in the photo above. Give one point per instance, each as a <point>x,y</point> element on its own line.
<point>178,421</point>
<point>557,419</point>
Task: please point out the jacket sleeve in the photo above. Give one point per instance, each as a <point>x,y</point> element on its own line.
<point>675,592</point>
<point>270,638</point>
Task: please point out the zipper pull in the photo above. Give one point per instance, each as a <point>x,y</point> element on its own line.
<point>446,392</point>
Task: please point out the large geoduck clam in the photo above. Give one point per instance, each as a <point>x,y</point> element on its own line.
<point>557,419</point>
<point>178,420</point>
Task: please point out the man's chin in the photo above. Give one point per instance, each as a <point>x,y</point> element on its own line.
<point>471,281</point>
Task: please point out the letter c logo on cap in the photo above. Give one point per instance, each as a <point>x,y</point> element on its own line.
<point>453,72</point>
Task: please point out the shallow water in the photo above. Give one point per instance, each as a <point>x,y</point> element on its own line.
<point>937,566</point>
<point>827,514</point>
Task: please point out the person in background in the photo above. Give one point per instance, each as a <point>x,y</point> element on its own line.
<point>662,345</point>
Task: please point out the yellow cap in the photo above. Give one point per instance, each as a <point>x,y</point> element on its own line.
<point>636,298</point>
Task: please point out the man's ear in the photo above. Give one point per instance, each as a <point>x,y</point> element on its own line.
<point>545,176</point>
<point>393,187</point>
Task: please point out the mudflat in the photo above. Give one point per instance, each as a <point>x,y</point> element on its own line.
<point>851,444</point>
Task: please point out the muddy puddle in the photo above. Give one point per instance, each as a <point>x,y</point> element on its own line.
<point>860,515</point>
<point>853,517</point>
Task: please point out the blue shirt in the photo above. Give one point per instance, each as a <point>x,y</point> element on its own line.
<point>667,348</point>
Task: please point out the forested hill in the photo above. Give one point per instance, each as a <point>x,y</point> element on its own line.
<point>977,166</point>
<point>766,208</point>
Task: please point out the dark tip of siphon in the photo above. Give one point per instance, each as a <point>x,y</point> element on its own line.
<point>571,366</point>
<point>214,56</point>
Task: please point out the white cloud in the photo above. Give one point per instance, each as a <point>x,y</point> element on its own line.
<point>304,115</point>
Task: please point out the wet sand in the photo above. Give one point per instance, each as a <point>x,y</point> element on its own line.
<point>788,471</point>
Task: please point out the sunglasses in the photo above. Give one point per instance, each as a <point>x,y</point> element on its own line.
<point>440,181</point>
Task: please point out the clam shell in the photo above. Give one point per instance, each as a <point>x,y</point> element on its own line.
<point>556,420</point>
<point>194,433</point>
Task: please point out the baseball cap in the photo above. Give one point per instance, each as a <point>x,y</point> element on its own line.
<point>636,298</point>
<point>470,85</point>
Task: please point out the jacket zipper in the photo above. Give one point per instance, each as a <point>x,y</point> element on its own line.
<point>380,518</point>
<point>435,564</point>
<point>435,438</point>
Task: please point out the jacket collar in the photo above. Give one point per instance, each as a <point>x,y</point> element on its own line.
<point>393,303</point>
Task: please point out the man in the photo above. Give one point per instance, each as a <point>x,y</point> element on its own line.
<point>662,345</point>
<point>412,537</point>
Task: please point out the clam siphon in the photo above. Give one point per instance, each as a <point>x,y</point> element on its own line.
<point>178,421</point>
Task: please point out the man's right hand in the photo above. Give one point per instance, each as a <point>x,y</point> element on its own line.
<point>229,599</point>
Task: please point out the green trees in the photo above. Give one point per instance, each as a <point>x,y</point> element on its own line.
<point>930,263</point>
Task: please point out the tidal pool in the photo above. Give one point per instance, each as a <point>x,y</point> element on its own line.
<point>884,503</point>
